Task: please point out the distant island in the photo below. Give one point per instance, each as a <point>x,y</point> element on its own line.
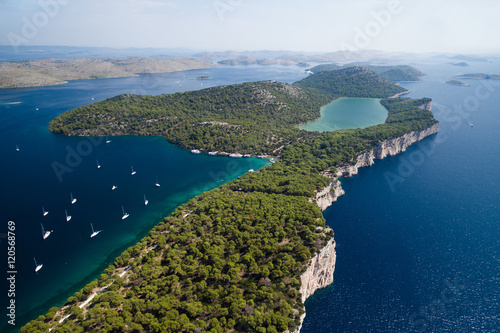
<point>243,257</point>
<point>203,77</point>
<point>478,76</point>
<point>457,83</point>
<point>460,64</point>
<point>47,72</point>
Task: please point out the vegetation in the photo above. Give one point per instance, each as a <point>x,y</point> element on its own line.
<point>390,73</point>
<point>230,259</point>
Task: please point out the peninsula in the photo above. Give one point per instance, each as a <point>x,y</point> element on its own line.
<point>245,256</point>
<point>47,72</point>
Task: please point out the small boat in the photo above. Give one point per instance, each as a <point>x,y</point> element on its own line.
<point>108,140</point>
<point>44,212</point>
<point>68,217</point>
<point>260,156</point>
<point>94,233</point>
<point>17,148</point>
<point>223,153</point>
<point>250,170</point>
<point>237,155</point>
<point>195,151</point>
<point>247,155</point>
<point>133,172</point>
<point>92,98</point>
<point>125,215</point>
<point>36,109</point>
<point>213,153</point>
<point>272,160</point>
<point>73,200</point>
<point>471,124</point>
<point>37,266</point>
<point>114,187</point>
<point>157,184</point>
<point>98,165</point>
<point>145,201</point>
<point>45,234</point>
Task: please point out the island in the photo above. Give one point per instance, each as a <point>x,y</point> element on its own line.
<point>243,257</point>
<point>457,83</point>
<point>478,76</point>
<point>47,72</point>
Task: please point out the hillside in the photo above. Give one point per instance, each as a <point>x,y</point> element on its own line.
<point>390,73</point>
<point>351,82</point>
<point>255,117</point>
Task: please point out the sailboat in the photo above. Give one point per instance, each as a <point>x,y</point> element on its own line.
<point>471,124</point>
<point>108,140</point>
<point>114,187</point>
<point>125,215</point>
<point>17,148</point>
<point>68,217</point>
<point>157,184</point>
<point>98,165</point>
<point>145,201</point>
<point>94,233</point>
<point>37,267</point>
<point>45,234</point>
<point>133,172</point>
<point>44,212</point>
<point>73,200</point>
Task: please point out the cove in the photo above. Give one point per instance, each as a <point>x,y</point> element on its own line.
<point>344,113</point>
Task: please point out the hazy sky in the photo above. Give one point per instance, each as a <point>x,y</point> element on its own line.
<point>466,26</point>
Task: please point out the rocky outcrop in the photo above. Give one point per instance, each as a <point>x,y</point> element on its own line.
<point>329,194</point>
<point>319,274</point>
<point>386,148</point>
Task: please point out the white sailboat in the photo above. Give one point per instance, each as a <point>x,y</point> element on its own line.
<point>157,184</point>
<point>98,165</point>
<point>37,267</point>
<point>94,233</point>
<point>73,200</point>
<point>125,215</point>
<point>17,148</point>
<point>68,217</point>
<point>44,212</point>
<point>108,140</point>
<point>133,172</point>
<point>114,187</point>
<point>145,201</point>
<point>45,234</point>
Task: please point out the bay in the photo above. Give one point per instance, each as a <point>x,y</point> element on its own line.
<point>47,168</point>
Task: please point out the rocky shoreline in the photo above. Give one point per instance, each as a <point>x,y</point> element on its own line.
<point>319,273</point>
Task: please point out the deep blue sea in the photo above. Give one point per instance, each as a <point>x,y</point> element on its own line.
<point>48,168</point>
<point>417,234</point>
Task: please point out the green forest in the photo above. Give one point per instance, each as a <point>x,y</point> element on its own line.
<point>391,73</point>
<point>229,260</point>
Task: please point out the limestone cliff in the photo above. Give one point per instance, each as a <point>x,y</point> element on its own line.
<point>386,148</point>
<point>319,273</point>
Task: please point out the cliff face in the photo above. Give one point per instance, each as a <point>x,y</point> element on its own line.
<point>319,273</point>
<point>386,148</point>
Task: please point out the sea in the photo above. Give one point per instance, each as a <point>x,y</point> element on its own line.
<point>417,234</point>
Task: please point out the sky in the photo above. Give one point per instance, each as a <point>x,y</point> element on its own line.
<point>453,26</point>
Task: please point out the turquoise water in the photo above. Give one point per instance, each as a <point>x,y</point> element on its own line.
<point>346,113</point>
<point>49,167</point>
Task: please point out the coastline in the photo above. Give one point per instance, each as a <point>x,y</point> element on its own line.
<point>319,273</point>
